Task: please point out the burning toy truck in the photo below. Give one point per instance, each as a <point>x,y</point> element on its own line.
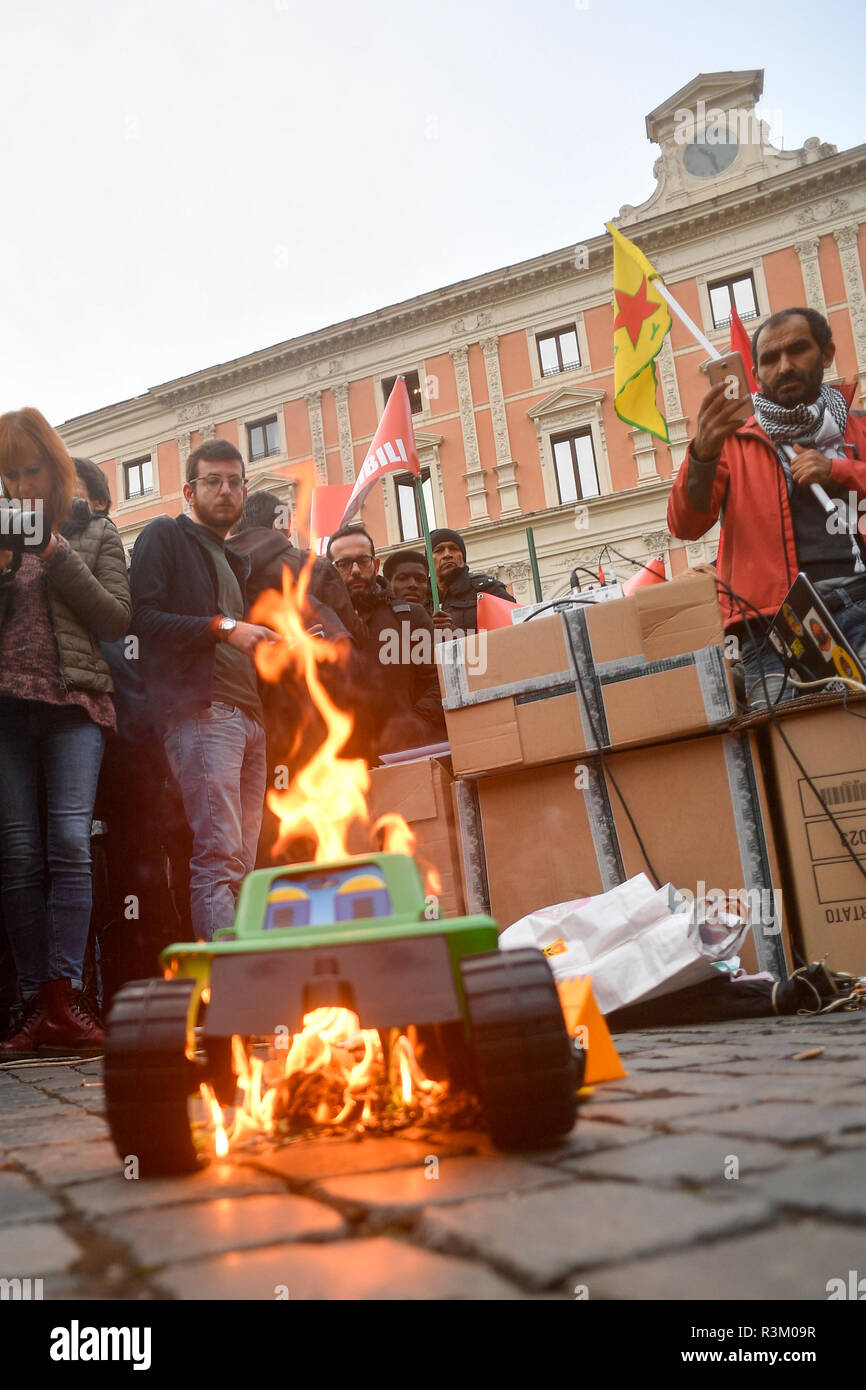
<point>316,1010</point>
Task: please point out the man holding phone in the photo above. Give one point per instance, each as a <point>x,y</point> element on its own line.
<point>756,475</point>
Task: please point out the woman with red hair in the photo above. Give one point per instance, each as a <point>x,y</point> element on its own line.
<point>63,587</point>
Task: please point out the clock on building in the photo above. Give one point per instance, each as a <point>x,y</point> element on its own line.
<point>704,160</point>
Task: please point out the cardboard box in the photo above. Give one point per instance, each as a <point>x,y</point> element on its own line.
<point>561,832</point>
<point>421,792</point>
<point>826,888</point>
<point>638,670</point>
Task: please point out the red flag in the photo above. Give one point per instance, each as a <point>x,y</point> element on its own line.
<point>653,573</point>
<point>740,343</point>
<point>492,612</point>
<point>392,450</point>
<point>326,512</point>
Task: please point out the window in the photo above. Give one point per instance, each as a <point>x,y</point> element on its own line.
<point>574,460</point>
<point>264,438</point>
<point>558,351</point>
<point>408,513</point>
<point>137,478</point>
<point>413,386</point>
<point>740,290</point>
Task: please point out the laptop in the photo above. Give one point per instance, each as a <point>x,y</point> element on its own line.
<point>805,633</point>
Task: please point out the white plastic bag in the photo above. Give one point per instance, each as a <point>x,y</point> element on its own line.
<point>637,942</point>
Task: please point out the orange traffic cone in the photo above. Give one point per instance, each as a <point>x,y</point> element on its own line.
<point>492,612</point>
<point>653,573</point>
<point>585,1022</point>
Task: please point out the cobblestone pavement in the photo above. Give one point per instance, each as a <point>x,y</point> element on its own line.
<point>720,1168</point>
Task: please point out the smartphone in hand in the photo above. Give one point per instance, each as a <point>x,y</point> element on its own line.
<point>731,370</point>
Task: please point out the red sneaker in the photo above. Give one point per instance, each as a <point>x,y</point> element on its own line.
<point>70,1025</point>
<point>24,1042</point>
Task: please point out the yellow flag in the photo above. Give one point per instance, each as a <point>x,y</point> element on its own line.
<point>641,321</point>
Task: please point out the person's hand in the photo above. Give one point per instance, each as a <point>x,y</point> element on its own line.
<point>443,620</point>
<point>810,467</point>
<point>247,636</point>
<point>718,418</point>
<point>50,548</point>
<point>5,559</point>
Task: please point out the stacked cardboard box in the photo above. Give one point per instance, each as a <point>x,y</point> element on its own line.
<point>597,744</point>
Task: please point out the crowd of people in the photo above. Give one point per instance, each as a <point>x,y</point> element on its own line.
<point>137,740</point>
<point>136,736</point>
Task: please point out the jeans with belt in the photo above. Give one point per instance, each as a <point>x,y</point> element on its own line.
<point>218,761</point>
<point>60,743</point>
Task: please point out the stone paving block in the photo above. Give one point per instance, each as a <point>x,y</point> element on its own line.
<point>389,1196</point>
<point>35,1250</point>
<point>70,1126</point>
<point>779,1120</point>
<point>588,1137</point>
<point>649,1112</point>
<point>331,1158</point>
<point>837,1072</point>
<point>169,1234</point>
<point>683,1083</point>
<point>542,1237</point>
<point>834,1185</point>
<point>104,1196</point>
<point>690,1158</point>
<point>794,1260</point>
<point>63,1164</point>
<point>362,1270</point>
<point>21,1201</point>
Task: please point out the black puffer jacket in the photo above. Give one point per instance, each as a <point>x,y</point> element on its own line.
<point>460,599</point>
<point>270,551</point>
<point>395,699</point>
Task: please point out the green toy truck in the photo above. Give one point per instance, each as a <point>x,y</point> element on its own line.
<point>353,934</point>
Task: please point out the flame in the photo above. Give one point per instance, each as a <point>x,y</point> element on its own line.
<point>221,1142</point>
<point>397,836</point>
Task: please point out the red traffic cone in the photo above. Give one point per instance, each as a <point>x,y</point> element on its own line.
<point>653,573</point>
<point>492,612</point>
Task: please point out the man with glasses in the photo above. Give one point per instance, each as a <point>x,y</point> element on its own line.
<point>197,659</point>
<point>394,686</point>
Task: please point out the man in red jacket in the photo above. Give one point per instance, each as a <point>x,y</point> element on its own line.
<point>755,478</point>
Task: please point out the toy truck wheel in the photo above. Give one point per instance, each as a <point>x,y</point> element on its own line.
<point>527,1072</point>
<point>148,1076</point>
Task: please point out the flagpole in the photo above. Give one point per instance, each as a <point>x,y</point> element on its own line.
<point>817,491</point>
<point>684,318</point>
<point>425,527</point>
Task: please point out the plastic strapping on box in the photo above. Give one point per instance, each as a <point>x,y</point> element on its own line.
<point>592,714</point>
<point>709,663</point>
<point>472,847</point>
<point>754,855</point>
<point>602,827</point>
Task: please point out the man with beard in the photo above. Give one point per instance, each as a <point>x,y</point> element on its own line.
<point>458,587</point>
<point>197,652</point>
<point>756,478</point>
<point>393,683</point>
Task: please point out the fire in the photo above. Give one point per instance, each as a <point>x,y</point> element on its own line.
<point>335,1075</point>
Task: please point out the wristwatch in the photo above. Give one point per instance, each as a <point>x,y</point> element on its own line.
<point>224,628</point>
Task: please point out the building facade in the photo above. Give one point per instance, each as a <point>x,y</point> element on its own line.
<point>511,373</point>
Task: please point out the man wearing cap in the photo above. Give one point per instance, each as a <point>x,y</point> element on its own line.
<point>406,572</point>
<point>458,588</point>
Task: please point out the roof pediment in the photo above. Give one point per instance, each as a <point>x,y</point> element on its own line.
<point>723,89</point>
<point>566,398</point>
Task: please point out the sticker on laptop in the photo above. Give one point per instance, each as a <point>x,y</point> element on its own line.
<point>791,618</point>
<point>819,634</point>
<point>844,664</point>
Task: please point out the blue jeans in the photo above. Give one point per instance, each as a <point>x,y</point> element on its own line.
<point>851,621</point>
<point>218,761</point>
<point>48,937</point>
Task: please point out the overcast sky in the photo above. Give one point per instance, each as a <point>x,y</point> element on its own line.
<point>189,180</point>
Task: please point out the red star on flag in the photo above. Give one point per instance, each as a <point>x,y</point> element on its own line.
<point>633,309</point>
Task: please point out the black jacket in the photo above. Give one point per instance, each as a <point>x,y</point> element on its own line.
<point>460,599</point>
<point>269,551</point>
<point>174,600</point>
<point>396,703</point>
